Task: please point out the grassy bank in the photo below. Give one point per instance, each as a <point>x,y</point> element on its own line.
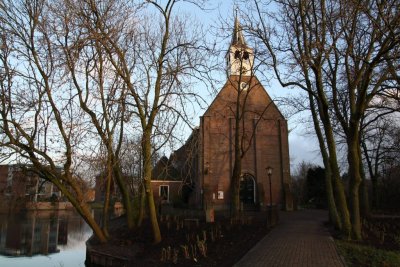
<point>361,255</point>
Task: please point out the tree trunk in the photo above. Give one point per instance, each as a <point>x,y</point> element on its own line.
<point>330,197</point>
<point>106,204</point>
<point>338,185</point>
<point>375,197</point>
<point>235,198</point>
<point>142,205</point>
<point>126,197</point>
<point>364,201</point>
<point>86,214</point>
<point>83,209</point>
<point>340,195</point>
<point>147,186</point>
<point>237,165</point>
<point>372,174</point>
<point>333,213</point>
<point>355,181</point>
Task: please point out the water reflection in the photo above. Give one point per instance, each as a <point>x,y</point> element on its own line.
<point>51,233</point>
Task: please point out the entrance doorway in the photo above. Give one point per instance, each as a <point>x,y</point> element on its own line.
<point>247,190</point>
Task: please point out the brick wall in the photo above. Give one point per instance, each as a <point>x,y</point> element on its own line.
<point>265,137</point>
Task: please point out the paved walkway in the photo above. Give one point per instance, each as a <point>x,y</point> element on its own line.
<point>299,240</point>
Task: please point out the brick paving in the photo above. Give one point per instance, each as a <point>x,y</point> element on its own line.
<point>299,240</point>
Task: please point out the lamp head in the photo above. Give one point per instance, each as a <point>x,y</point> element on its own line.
<point>269,170</point>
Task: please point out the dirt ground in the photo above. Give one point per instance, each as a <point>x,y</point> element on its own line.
<point>186,242</point>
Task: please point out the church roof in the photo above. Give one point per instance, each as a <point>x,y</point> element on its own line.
<point>230,84</point>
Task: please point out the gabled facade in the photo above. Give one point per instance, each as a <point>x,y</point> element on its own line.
<point>264,135</point>
<point>263,140</point>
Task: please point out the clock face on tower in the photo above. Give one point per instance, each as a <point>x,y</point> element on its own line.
<point>244,86</point>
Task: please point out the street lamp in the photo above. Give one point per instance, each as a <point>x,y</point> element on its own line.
<point>269,172</point>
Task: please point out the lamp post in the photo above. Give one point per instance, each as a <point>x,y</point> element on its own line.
<point>269,172</point>
<point>270,220</point>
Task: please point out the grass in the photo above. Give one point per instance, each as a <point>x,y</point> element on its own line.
<point>361,255</point>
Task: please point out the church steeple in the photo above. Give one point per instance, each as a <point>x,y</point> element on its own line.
<point>240,57</point>
<point>237,36</point>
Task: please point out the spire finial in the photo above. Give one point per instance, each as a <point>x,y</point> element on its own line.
<point>236,12</point>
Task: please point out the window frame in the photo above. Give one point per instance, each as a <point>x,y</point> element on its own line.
<point>159,192</point>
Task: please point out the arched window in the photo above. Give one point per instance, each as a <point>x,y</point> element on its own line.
<point>247,189</point>
<point>163,192</point>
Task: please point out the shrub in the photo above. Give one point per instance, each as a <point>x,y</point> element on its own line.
<point>361,255</point>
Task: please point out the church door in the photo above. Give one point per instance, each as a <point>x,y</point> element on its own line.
<point>247,190</point>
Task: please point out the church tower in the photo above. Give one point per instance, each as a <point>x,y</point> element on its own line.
<point>240,57</point>
<point>209,153</point>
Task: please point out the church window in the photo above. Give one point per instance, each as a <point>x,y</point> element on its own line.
<point>164,192</point>
<point>246,55</point>
<point>237,54</point>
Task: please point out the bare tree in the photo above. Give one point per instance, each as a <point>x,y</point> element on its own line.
<point>283,49</point>
<point>100,92</point>
<point>379,146</point>
<point>378,138</point>
<point>41,121</point>
<point>340,53</point>
<point>79,72</point>
<point>154,59</point>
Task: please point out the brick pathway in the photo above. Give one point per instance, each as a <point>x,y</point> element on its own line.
<point>299,240</point>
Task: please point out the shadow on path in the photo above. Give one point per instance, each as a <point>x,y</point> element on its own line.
<point>299,240</point>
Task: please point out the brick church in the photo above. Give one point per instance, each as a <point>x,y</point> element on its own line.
<point>205,163</point>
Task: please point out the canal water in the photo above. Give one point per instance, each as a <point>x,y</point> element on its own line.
<point>43,239</point>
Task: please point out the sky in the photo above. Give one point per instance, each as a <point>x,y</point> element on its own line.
<point>303,146</point>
